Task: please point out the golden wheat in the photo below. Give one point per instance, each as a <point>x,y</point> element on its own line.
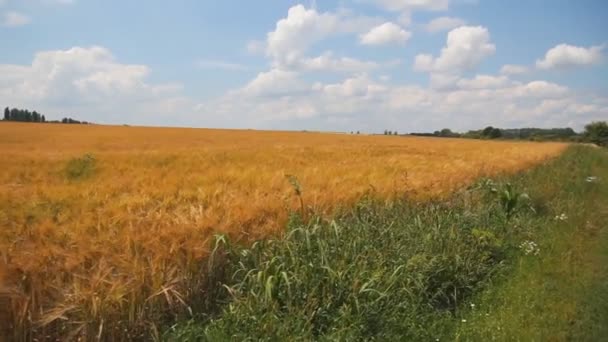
<point>126,241</point>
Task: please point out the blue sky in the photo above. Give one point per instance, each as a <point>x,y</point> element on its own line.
<point>369,65</point>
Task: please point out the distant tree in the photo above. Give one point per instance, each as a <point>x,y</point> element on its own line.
<point>357,132</point>
<point>42,119</point>
<point>496,133</point>
<point>395,133</point>
<point>491,132</point>
<point>597,133</point>
<point>385,132</point>
<point>64,120</point>
<point>487,131</point>
<point>7,114</point>
<point>14,114</point>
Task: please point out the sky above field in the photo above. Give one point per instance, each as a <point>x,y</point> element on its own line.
<point>368,65</point>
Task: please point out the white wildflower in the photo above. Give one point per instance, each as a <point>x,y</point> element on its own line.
<point>591,179</point>
<point>464,321</point>
<point>529,248</point>
<point>472,306</point>
<point>562,217</point>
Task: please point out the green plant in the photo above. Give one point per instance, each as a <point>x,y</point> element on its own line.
<point>80,168</point>
<point>293,180</point>
<point>510,198</point>
<point>505,194</point>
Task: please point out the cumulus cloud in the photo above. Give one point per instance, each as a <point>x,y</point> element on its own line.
<point>274,82</point>
<point>484,82</point>
<point>363,102</point>
<point>302,28</point>
<point>387,33</point>
<point>85,79</point>
<point>15,19</point>
<point>294,34</point>
<point>513,69</point>
<point>327,62</point>
<point>565,56</point>
<point>466,47</point>
<point>444,24</point>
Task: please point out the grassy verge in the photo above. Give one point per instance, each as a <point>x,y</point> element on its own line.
<point>490,263</point>
<point>561,294</point>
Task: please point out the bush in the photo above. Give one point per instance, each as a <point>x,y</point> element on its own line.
<point>597,133</point>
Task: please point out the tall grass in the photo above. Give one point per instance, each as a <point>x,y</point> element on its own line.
<point>391,271</point>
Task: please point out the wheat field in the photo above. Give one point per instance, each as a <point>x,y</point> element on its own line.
<point>105,227</point>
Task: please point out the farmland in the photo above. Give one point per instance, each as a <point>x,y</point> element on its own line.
<point>110,225</point>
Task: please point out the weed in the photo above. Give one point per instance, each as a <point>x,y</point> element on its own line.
<point>80,168</point>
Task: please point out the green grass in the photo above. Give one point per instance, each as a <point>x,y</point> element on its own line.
<point>449,270</point>
<point>561,294</point>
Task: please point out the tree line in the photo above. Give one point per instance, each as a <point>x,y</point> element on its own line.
<point>24,115</point>
<point>595,132</point>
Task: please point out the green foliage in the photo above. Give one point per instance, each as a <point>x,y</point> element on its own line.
<point>491,133</point>
<point>597,133</point>
<point>389,272</point>
<point>80,168</point>
<point>506,195</point>
<point>293,180</point>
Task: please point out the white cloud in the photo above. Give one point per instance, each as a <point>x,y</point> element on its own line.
<point>386,33</point>
<point>15,19</point>
<point>423,62</point>
<point>294,34</point>
<point>88,81</point>
<point>542,89</point>
<point>223,65</point>
<point>303,27</point>
<point>566,56</point>
<point>465,48</point>
<point>273,83</point>
<point>357,86</point>
<point>444,24</point>
<point>361,102</point>
<point>484,82</point>
<point>327,62</point>
<point>513,69</point>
